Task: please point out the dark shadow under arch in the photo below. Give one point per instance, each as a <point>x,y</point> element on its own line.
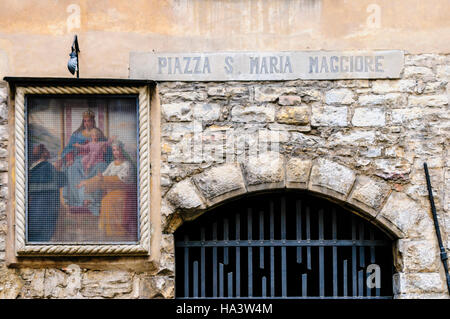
<point>282,244</point>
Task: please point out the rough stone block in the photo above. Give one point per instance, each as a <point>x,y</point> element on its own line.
<point>328,116</point>
<point>3,94</point>
<point>63,284</point>
<point>405,218</point>
<point>298,115</point>
<point>107,284</point>
<point>305,142</point>
<point>264,171</point>
<point>271,93</point>
<point>289,100</point>
<point>339,96</point>
<point>177,112</point>
<point>395,99</point>
<point>271,137</point>
<point>369,117</point>
<point>183,195</point>
<point>417,72</point>
<point>408,283</point>
<point>423,296</point>
<point>372,152</point>
<point>217,91</point>
<point>393,169</point>
<point>419,255</point>
<point>191,95</point>
<point>331,178</point>
<point>353,138</point>
<point>401,116</point>
<point>220,182</point>
<point>297,172</point>
<point>167,258</point>
<point>33,283</point>
<point>176,131</point>
<point>253,114</point>
<point>3,112</point>
<point>428,100</point>
<point>207,112</point>
<point>157,287</point>
<point>289,127</point>
<point>310,95</point>
<point>370,193</point>
<point>443,72</point>
<point>391,86</point>
<point>170,220</point>
<point>425,60</point>
<point>10,283</point>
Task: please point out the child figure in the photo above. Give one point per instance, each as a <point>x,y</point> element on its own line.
<point>95,149</point>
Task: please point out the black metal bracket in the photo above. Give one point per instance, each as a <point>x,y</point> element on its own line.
<point>74,54</point>
<point>436,226</point>
<point>77,50</point>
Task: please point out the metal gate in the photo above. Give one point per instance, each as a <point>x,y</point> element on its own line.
<point>285,245</point>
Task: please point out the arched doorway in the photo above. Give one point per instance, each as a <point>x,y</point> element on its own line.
<point>282,245</point>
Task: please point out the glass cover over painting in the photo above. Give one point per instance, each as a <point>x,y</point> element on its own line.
<point>82,166</point>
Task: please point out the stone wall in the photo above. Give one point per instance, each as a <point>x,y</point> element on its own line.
<point>361,143</point>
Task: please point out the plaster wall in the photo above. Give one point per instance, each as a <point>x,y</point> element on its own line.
<point>35,37</point>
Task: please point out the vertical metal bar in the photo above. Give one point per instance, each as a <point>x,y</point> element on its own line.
<point>299,229</point>
<point>308,238</point>
<point>214,267</point>
<point>377,291</point>
<point>361,283</point>
<point>261,237</point>
<point>372,258</point>
<point>283,248</point>
<point>354,274</point>
<point>362,258</point>
<point>238,256</point>
<point>186,267</point>
<point>230,284</point>
<point>264,287</point>
<point>225,238</point>
<point>195,278</point>
<point>202,263</point>
<point>272,252</point>
<point>304,285</point>
<point>221,280</point>
<point>250,253</point>
<point>372,248</point>
<point>335,271</point>
<point>345,279</point>
<point>321,256</point>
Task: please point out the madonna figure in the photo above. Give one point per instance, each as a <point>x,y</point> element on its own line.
<point>72,164</point>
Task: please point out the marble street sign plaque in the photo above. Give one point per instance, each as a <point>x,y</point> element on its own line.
<point>266,66</point>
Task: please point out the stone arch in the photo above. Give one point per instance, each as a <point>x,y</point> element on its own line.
<point>367,196</point>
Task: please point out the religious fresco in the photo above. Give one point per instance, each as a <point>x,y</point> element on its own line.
<point>82,170</point>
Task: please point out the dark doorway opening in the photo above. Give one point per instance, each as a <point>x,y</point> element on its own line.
<point>282,245</point>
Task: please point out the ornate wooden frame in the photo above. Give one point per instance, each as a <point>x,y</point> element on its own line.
<point>22,248</point>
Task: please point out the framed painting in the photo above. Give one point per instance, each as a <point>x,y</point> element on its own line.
<point>81,177</point>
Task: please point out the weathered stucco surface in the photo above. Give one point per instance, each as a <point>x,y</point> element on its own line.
<point>36,39</point>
